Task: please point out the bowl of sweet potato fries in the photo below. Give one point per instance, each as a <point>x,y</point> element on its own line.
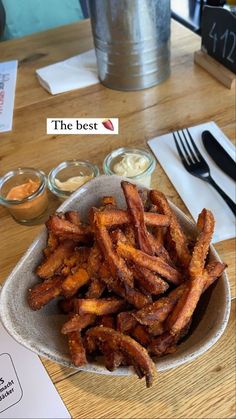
<point>119,281</point>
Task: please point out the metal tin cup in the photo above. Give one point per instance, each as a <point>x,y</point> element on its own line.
<point>131,39</point>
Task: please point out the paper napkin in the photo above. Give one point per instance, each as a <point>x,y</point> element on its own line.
<point>8,74</point>
<point>26,390</point>
<point>196,193</point>
<point>74,73</point>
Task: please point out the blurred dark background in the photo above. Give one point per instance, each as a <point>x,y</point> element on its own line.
<point>2,18</point>
<point>13,13</point>
<point>189,12</point>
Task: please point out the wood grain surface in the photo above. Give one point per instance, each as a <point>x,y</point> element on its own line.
<point>204,388</point>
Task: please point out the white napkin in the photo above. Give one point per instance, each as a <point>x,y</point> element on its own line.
<point>196,193</point>
<point>74,73</point>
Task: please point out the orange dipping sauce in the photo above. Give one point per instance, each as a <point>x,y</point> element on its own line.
<point>31,208</point>
<point>22,191</point>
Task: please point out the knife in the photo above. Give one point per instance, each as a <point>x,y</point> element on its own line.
<point>219,155</point>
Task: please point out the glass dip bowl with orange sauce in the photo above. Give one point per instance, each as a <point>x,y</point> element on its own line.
<point>24,192</point>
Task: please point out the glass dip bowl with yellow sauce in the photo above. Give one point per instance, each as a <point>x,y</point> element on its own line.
<point>134,163</point>
<point>69,175</point>
<point>24,192</point>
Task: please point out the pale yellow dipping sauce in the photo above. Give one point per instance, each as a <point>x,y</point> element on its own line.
<point>73,183</point>
<point>132,165</point>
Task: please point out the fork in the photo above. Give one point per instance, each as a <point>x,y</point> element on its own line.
<point>196,165</point>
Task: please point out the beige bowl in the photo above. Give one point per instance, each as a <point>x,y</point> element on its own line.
<point>40,331</point>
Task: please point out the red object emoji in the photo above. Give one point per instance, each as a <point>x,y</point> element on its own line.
<point>108,124</point>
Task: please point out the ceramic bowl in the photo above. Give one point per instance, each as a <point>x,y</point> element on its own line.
<point>40,330</point>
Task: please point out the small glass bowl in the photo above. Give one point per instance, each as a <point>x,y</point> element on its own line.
<point>116,156</point>
<point>30,207</point>
<point>67,170</point>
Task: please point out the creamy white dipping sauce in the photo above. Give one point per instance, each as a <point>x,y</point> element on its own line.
<point>133,165</point>
<point>73,183</point>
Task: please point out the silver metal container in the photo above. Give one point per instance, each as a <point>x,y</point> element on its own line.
<point>131,39</point>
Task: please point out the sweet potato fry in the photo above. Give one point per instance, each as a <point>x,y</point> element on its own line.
<point>154,263</point>
<point>66,230</point>
<point>162,345</point>
<point>99,306</point>
<point>52,244</point>
<point>159,235</point>
<point>73,217</point>
<point>205,225</point>
<point>94,260</point>
<point>77,323</point>
<point>74,282</point>
<point>160,250</point>
<point>149,281</point>
<point>140,334</point>
<point>109,201</point>
<point>117,217</point>
<point>146,279</point>
<point>128,234</point>
<point>144,196</point>
<point>175,229</point>
<point>107,321</point>
<point>159,310</point>
<point>41,294</point>
<point>77,259</point>
<point>135,208</point>
<point>127,346</point>
<point>112,359</point>
<point>125,321</point>
<point>166,342</point>
<point>66,305</point>
<point>156,329</point>
<point>187,303</point>
<point>70,263</point>
<point>50,266</point>
<point>96,288</point>
<point>117,265</point>
<point>76,348</point>
<point>213,271</point>
<point>133,296</point>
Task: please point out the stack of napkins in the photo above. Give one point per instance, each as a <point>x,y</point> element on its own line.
<point>196,193</point>
<point>74,73</point>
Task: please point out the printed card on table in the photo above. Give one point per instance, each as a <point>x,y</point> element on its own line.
<point>26,390</point>
<point>8,73</point>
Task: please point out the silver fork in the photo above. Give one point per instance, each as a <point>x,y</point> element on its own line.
<point>195,164</point>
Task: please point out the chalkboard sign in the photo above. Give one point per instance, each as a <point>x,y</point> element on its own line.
<point>219,35</point>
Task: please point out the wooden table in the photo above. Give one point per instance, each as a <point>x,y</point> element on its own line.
<point>205,388</point>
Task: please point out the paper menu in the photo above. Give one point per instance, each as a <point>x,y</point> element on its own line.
<point>8,73</point>
<point>26,390</point>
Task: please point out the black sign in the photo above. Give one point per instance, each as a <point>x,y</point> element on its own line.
<point>219,35</point>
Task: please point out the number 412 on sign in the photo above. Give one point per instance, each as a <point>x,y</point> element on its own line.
<point>219,35</point>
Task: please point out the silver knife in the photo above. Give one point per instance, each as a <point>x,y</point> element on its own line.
<point>219,155</point>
